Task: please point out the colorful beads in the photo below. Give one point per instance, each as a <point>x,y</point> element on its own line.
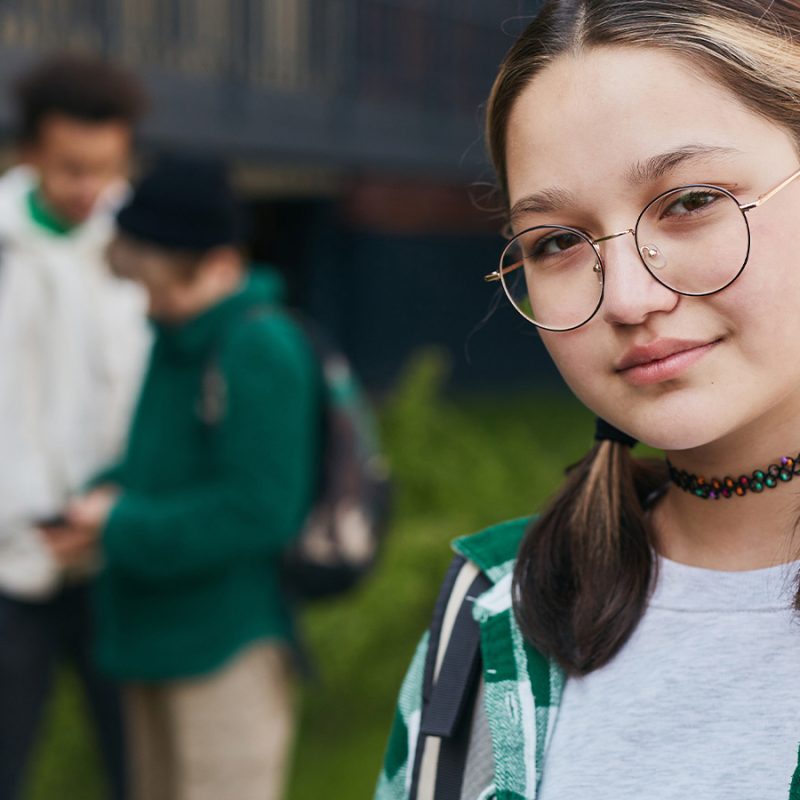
<point>727,487</point>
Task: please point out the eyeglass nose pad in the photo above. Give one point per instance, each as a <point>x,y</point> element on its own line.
<point>598,271</point>
<point>653,257</point>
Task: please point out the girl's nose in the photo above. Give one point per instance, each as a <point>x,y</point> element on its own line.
<point>630,292</point>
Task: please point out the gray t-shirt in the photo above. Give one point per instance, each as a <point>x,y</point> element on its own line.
<point>702,702</point>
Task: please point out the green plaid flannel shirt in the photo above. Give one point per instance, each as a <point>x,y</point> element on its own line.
<point>522,688</point>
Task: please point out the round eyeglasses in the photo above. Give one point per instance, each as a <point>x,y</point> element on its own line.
<point>694,239</point>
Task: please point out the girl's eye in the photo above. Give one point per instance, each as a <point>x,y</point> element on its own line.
<point>690,202</point>
<point>554,245</point>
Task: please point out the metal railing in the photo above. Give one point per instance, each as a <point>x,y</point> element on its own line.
<point>353,82</point>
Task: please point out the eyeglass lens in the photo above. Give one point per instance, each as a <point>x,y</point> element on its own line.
<point>694,240</point>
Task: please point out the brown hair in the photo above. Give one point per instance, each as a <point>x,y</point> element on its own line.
<point>586,565</point>
<point>82,87</point>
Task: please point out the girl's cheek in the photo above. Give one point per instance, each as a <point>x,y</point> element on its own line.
<point>573,352</point>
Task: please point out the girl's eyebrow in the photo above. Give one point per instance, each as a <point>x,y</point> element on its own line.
<point>657,166</point>
<point>555,198</point>
<point>543,202</point>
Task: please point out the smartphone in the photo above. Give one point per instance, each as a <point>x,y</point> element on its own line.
<point>56,521</point>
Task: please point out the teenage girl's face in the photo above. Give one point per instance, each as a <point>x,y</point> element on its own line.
<point>584,130</point>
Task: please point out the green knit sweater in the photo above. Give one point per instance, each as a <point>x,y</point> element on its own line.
<point>192,547</point>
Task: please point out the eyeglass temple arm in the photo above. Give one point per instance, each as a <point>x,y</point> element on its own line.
<point>499,273</point>
<point>766,196</point>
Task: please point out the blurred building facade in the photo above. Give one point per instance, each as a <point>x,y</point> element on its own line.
<point>355,126</point>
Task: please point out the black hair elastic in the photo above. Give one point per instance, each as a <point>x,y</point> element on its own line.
<point>603,431</point>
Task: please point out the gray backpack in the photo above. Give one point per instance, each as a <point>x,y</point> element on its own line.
<point>345,527</point>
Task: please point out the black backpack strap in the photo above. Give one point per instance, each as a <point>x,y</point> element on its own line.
<point>452,674</point>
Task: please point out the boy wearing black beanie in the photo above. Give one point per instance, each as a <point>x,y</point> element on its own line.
<point>218,477</point>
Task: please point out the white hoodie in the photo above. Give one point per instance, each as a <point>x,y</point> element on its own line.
<point>73,342</point>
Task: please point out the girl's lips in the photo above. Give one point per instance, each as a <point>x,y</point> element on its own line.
<point>667,368</point>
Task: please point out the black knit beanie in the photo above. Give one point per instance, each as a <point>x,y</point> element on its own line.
<point>184,202</point>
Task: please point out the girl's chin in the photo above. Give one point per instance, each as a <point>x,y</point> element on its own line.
<point>672,445</point>
<point>673,432</point>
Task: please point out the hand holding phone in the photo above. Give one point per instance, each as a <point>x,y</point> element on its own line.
<point>55,521</point>
<point>69,545</point>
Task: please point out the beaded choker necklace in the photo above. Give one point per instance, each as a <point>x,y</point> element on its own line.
<point>715,488</point>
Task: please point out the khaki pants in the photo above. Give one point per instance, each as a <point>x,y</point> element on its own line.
<point>226,735</point>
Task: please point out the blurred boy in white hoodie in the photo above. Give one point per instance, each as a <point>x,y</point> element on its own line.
<point>73,340</point>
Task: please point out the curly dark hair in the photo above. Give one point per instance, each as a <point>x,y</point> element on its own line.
<point>83,87</point>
